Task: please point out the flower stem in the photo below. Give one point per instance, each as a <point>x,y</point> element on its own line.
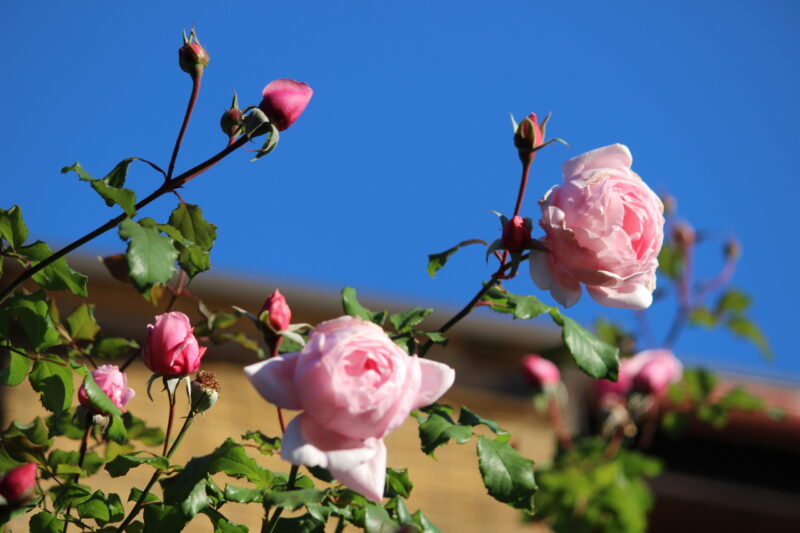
<point>171,397</point>
<point>269,527</point>
<point>526,168</point>
<point>166,187</point>
<point>81,458</point>
<point>178,291</point>
<point>558,424</point>
<point>189,108</point>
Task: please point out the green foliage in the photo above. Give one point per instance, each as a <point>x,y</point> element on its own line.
<point>670,261</point>
<point>122,463</point>
<point>266,445</point>
<point>406,320</point>
<point>522,307</point>
<point>436,427</point>
<point>198,237</point>
<point>596,358</point>
<point>582,490</point>
<point>437,261</point>
<point>507,475</point>
<point>98,398</point>
<point>52,378</point>
<point>45,522</point>
<point>397,483</point>
<point>82,324</point>
<point>12,227</point>
<point>136,429</point>
<point>352,307</point>
<point>57,276</point>
<point>16,371</point>
<point>32,312</point>
<point>150,256</point>
<point>110,188</point>
<point>222,524</point>
<point>113,347</point>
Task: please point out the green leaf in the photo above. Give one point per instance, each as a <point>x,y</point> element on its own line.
<point>82,324</point>
<point>194,260</point>
<point>437,261</point>
<point>523,307</point>
<point>57,276</point>
<point>702,316</point>
<point>116,430</point>
<point>468,418</point>
<point>45,522</point>
<point>151,256</point>
<point>231,459</point>
<point>425,525</point>
<point>293,499</point>
<point>377,520</point>
<point>160,518</point>
<point>113,347</point>
<point>747,329</point>
<point>95,507</point>
<point>506,474</point>
<point>16,371</point>
<point>266,445</point>
<point>407,319</point>
<point>110,188</point>
<point>52,378</point>
<point>188,219</point>
<point>300,524</point>
<point>125,198</point>
<point>670,261</point>
<point>222,524</point>
<point>12,227</point>
<point>33,313</point>
<point>116,178</point>
<point>99,398</point>
<point>138,430</point>
<point>352,307</point>
<point>733,301</point>
<point>438,428</point>
<point>596,358</point>
<point>70,494</point>
<point>243,494</point>
<point>397,483</point>
<point>124,462</point>
<point>60,459</point>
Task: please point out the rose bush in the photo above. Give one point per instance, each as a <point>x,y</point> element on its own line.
<point>604,228</point>
<point>111,381</point>
<point>354,386</point>
<point>171,348</point>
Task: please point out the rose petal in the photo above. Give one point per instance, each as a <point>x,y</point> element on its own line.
<point>369,477</point>
<point>274,380</point>
<point>635,296</point>
<point>542,275</point>
<point>612,156</point>
<point>436,379</point>
<point>305,442</point>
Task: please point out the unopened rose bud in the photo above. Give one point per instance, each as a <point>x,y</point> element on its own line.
<point>231,122</point>
<point>732,250</point>
<point>660,368</point>
<point>171,348</point>
<point>670,203</point>
<point>683,235</point>
<point>279,314</point>
<point>284,100</point>
<point>205,391</point>
<point>17,484</point>
<point>517,234</point>
<point>528,135</point>
<point>540,372</point>
<point>192,57</point>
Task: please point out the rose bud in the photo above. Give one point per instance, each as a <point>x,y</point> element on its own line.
<point>205,391</point>
<point>231,122</point>
<point>192,57</point>
<point>528,135</point>
<point>732,250</point>
<point>354,386</point>
<point>284,101</point>
<point>17,484</point>
<point>670,203</point>
<point>540,372</point>
<point>171,348</point>
<point>280,315</point>
<point>660,368</point>
<point>683,235</point>
<point>517,234</point>
<point>111,381</point>
<point>604,228</point>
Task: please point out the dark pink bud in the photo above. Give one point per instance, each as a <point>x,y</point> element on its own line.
<point>280,316</point>
<point>284,101</point>
<point>18,482</point>
<point>661,368</point>
<point>529,134</point>
<point>113,382</point>
<point>516,235</point>
<point>171,348</point>
<point>539,371</point>
<point>192,57</point>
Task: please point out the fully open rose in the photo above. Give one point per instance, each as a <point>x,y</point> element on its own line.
<point>354,386</point>
<point>604,228</point>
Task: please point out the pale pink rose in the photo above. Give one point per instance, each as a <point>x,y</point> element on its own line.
<point>540,371</point>
<point>111,381</point>
<point>660,369</point>
<point>604,228</point>
<point>646,368</point>
<point>18,483</point>
<point>280,315</point>
<point>354,386</point>
<point>171,348</point>
<point>284,100</point>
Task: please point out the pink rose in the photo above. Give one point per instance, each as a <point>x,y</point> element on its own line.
<point>646,370</point>
<point>354,386</point>
<point>113,383</point>
<point>540,371</point>
<point>284,101</point>
<point>659,370</point>
<point>171,348</point>
<point>18,482</point>
<point>604,228</point>
<point>517,234</point>
<point>280,315</point>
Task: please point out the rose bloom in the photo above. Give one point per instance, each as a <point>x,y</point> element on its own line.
<point>604,227</point>
<point>171,348</point>
<point>284,100</point>
<point>649,371</point>
<point>354,386</point>
<point>540,371</point>
<point>18,482</point>
<point>113,382</point>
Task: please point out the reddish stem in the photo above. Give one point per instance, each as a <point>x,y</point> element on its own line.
<point>169,422</point>
<point>189,108</point>
<point>558,423</point>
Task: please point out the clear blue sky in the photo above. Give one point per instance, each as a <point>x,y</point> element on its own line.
<point>406,145</point>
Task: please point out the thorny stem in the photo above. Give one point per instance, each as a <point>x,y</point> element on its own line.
<point>165,187</point>
<point>269,527</point>
<point>139,503</point>
<point>189,108</point>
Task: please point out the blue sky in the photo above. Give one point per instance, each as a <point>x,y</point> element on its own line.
<point>406,145</point>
